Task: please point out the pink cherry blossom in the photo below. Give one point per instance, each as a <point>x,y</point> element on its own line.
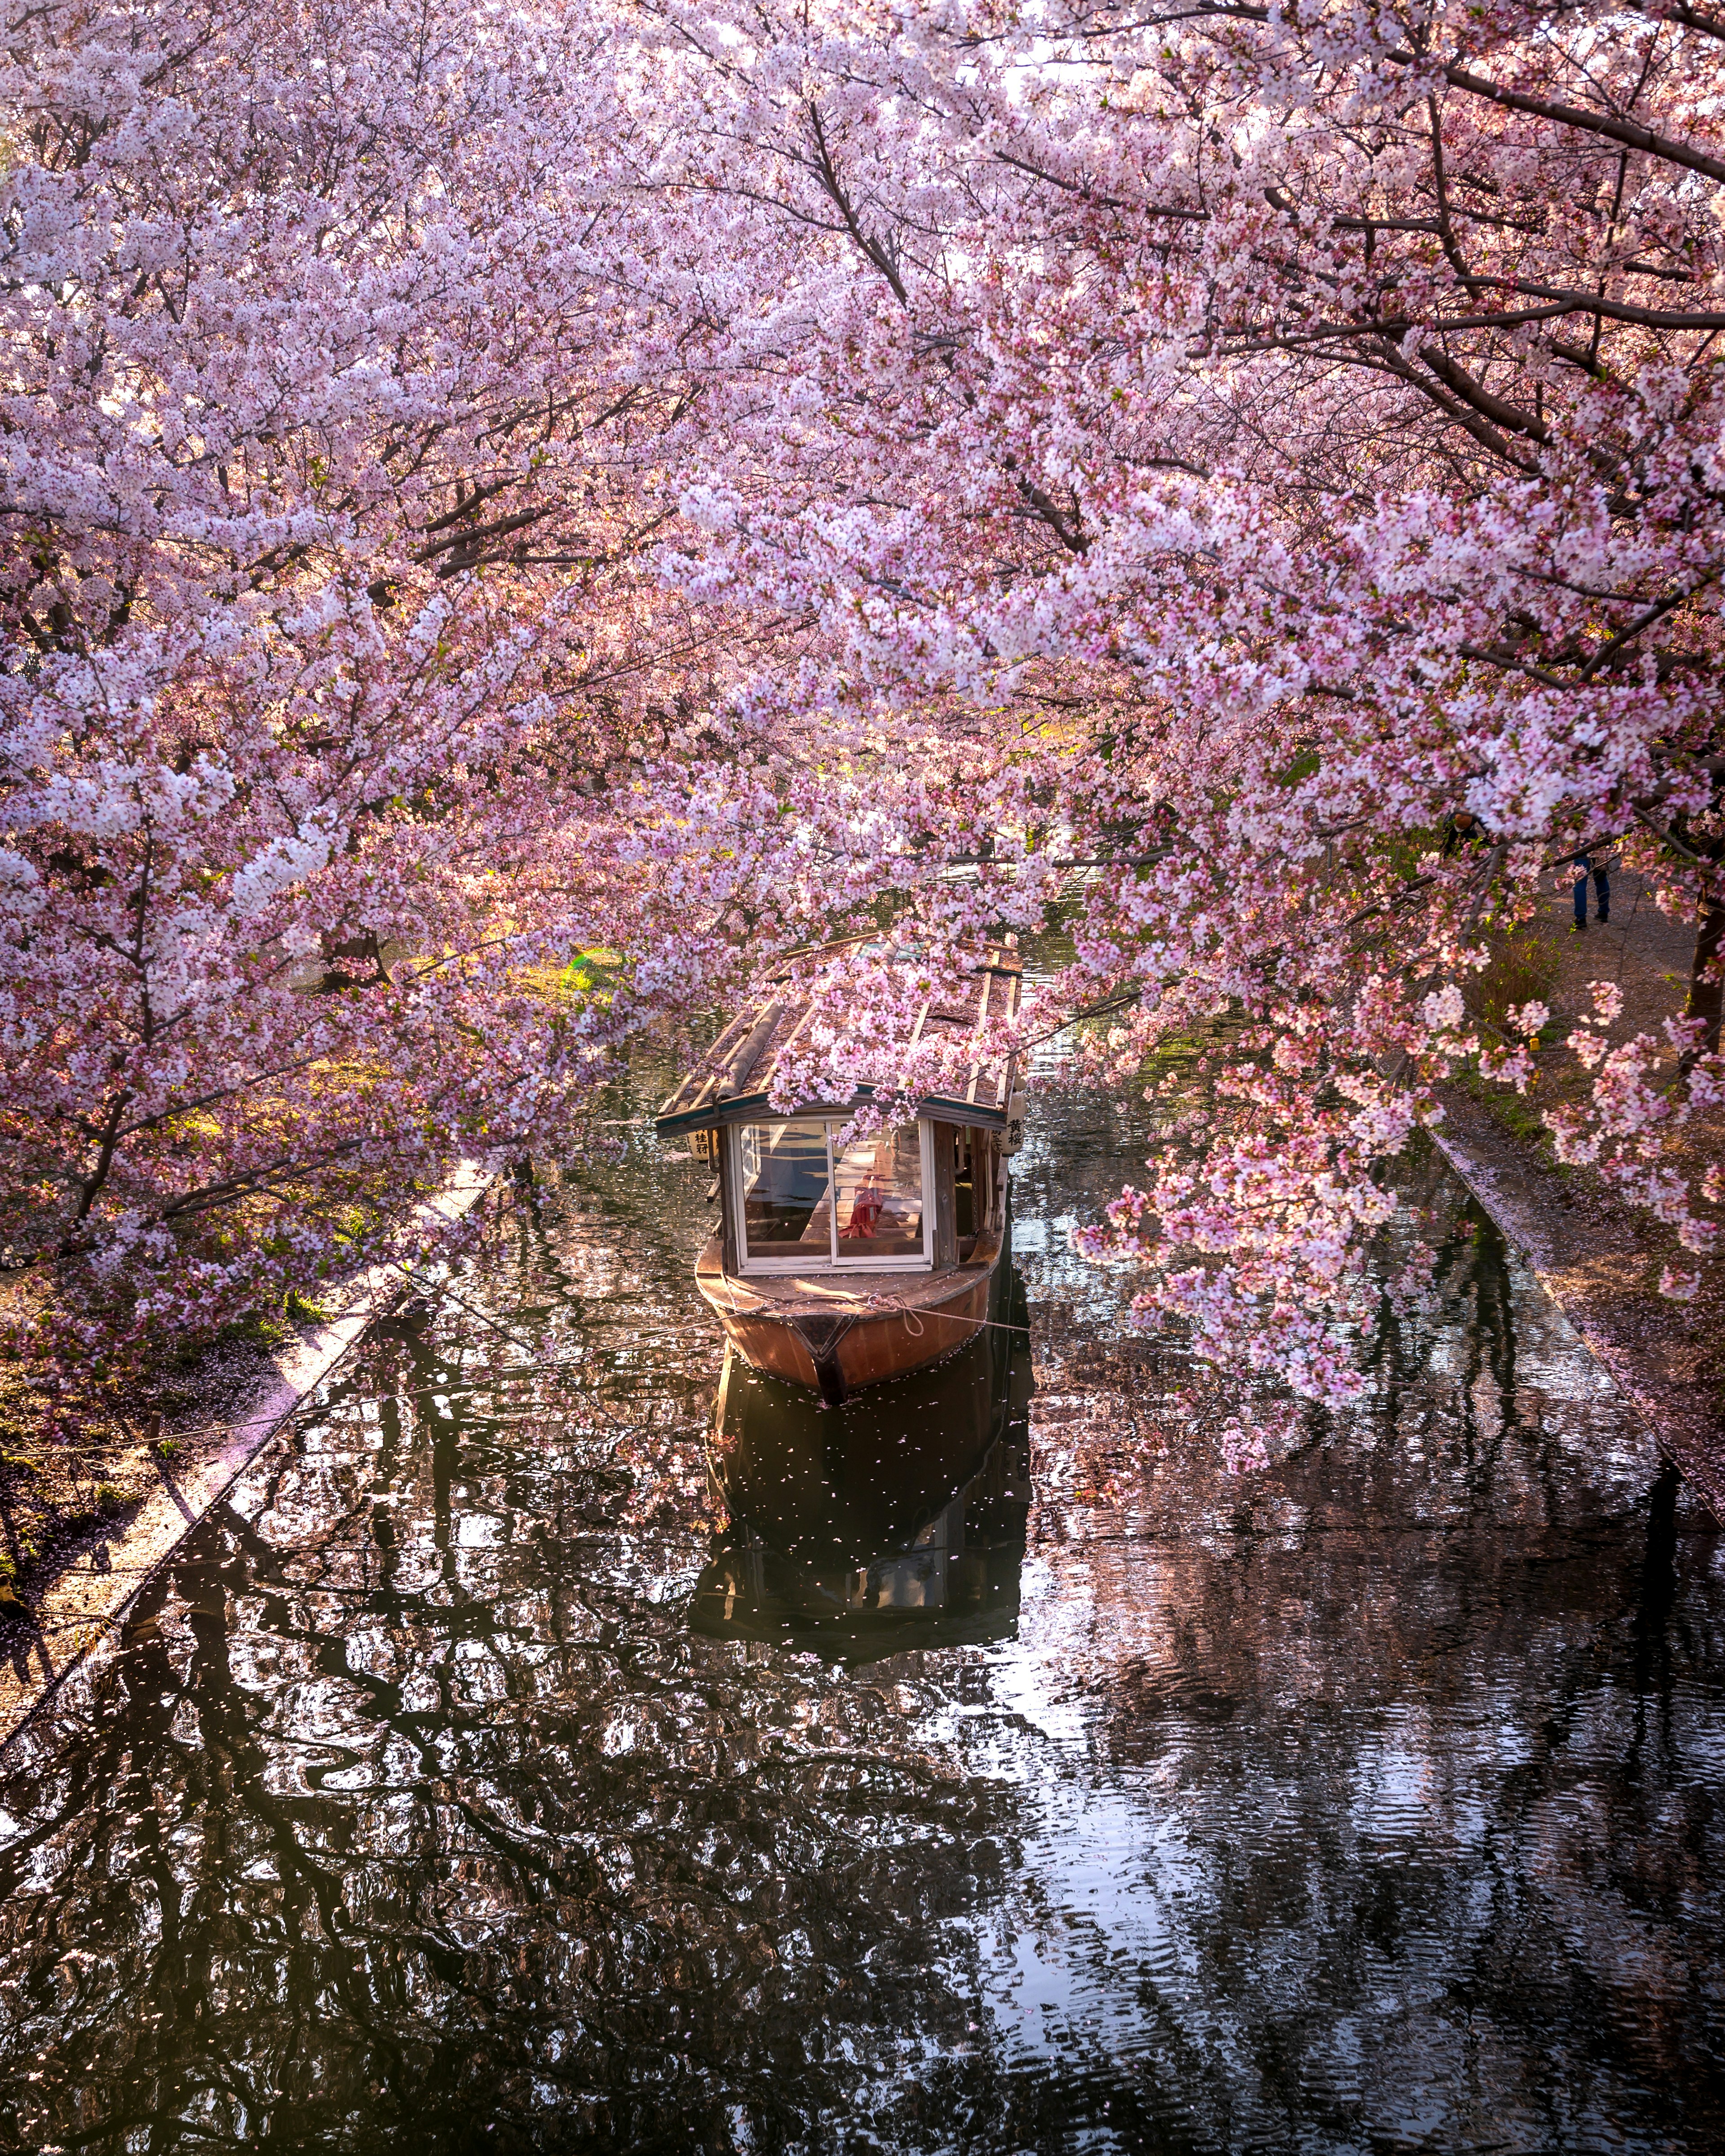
<point>671,483</point>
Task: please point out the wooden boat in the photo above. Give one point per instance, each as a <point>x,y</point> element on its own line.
<point>838,1265</point>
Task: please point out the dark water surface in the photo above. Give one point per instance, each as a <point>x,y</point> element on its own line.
<point>973,1769</point>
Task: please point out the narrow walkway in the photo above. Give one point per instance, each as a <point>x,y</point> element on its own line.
<point>1646,953</point>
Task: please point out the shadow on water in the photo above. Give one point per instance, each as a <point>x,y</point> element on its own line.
<point>892,1523</point>
<point>485,1776</point>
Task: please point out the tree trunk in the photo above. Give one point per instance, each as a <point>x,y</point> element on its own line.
<point>1705,985</point>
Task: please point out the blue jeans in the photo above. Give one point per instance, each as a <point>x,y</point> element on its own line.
<point>1602,886</point>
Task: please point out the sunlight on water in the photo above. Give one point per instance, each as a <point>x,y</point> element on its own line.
<point>541,1752</point>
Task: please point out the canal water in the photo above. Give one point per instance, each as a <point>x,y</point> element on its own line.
<point>534,1755</point>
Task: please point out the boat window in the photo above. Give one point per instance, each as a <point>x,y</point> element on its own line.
<point>879,1182</point>
<point>786,1175</point>
<point>783,1178</point>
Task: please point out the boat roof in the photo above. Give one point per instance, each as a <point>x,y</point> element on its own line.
<point>731,1082</point>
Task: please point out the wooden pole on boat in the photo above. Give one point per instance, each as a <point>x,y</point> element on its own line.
<point>743,1062</point>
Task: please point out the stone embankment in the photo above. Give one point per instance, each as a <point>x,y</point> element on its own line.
<point>1598,1259</point>
<point>77,1614</point>
<point>1657,1362</point>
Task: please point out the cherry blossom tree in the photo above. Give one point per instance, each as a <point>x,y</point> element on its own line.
<point>1241,438</point>
<point>482,485</point>
<point>334,432</point>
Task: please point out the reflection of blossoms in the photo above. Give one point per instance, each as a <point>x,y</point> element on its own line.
<point>1242,1450</point>
<point>1252,1437</point>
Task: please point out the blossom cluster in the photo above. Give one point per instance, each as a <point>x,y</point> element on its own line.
<point>507,518</point>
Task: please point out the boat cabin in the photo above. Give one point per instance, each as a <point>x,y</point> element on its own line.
<point>796,1198</point>
<point>812,1220</point>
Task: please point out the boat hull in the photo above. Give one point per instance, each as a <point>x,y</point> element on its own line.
<point>838,1339</point>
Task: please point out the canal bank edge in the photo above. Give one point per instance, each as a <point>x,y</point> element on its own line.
<point>1648,1374</point>
<point>81,1611</point>
<point>82,1608</point>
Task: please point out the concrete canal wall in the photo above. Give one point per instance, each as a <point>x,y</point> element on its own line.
<point>1643,1344</point>
<point>79,1612</point>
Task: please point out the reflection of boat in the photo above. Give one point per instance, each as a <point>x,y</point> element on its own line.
<point>896,1522</point>
<point>841,1264</point>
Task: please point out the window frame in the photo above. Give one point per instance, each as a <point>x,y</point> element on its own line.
<point>831,1263</point>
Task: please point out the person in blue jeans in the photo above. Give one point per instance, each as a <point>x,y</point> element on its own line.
<point>1602,887</point>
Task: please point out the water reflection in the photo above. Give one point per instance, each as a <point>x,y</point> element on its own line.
<point>1375,1803</point>
<point>894,1522</point>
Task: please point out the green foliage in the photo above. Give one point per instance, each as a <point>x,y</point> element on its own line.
<point>1518,1114</point>
<point>1522,967</point>
<point>1401,852</point>
<point>1175,1052</point>
<point>1303,766</point>
<point>590,975</point>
